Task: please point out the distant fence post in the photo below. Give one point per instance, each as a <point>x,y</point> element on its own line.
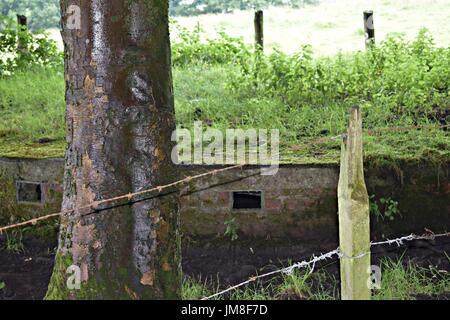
<point>21,27</point>
<point>369,28</point>
<point>22,21</point>
<point>259,30</point>
<point>354,221</point>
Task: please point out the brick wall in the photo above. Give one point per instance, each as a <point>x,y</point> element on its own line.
<point>299,203</point>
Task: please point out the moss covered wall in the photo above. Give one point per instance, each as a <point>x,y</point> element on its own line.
<point>300,202</point>
<point>48,173</point>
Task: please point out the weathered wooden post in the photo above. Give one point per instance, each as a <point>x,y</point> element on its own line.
<point>21,21</point>
<point>354,224</point>
<point>21,28</point>
<point>259,30</point>
<point>369,28</point>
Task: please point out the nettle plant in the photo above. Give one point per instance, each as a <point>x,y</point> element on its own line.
<point>195,47</point>
<point>20,49</point>
<point>395,79</point>
<point>384,208</point>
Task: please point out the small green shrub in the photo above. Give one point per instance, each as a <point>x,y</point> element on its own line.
<point>396,81</point>
<point>193,289</point>
<point>14,242</point>
<point>194,47</point>
<point>35,49</point>
<point>231,229</point>
<point>384,208</point>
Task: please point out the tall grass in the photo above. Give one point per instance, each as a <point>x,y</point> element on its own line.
<point>401,280</point>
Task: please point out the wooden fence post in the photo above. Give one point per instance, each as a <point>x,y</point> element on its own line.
<point>369,28</point>
<point>259,30</point>
<point>21,27</point>
<point>354,220</point>
<point>21,21</point>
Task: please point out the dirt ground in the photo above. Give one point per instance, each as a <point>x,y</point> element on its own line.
<point>26,275</point>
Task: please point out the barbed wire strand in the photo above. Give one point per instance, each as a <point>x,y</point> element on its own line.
<point>94,206</point>
<point>338,253</point>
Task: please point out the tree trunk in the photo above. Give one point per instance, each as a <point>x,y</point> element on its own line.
<point>119,119</point>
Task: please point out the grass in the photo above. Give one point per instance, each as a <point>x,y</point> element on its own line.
<point>14,243</point>
<point>32,108</point>
<point>400,281</point>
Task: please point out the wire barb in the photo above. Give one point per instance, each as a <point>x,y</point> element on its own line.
<point>338,253</point>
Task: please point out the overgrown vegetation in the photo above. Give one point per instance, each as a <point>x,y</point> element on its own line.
<point>220,82</point>
<point>21,49</point>
<point>193,47</point>
<point>384,208</point>
<point>400,280</point>
<point>14,242</point>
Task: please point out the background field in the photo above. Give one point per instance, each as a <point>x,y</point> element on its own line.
<point>331,26</point>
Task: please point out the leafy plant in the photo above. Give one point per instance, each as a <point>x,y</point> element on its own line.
<point>2,285</point>
<point>14,243</point>
<point>396,80</point>
<point>231,229</point>
<point>20,49</point>
<point>194,47</point>
<point>386,208</point>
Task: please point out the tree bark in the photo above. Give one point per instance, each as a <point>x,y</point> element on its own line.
<point>119,119</point>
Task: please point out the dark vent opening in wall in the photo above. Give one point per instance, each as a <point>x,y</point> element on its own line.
<point>247,200</point>
<point>29,192</point>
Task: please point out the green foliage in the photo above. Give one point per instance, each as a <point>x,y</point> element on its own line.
<point>20,49</point>
<point>307,285</point>
<point>196,7</point>
<point>193,47</point>
<point>302,96</point>
<point>396,81</point>
<point>193,289</point>
<point>2,285</point>
<point>32,106</point>
<point>41,14</point>
<point>14,242</point>
<point>231,229</point>
<point>385,208</point>
<point>402,281</point>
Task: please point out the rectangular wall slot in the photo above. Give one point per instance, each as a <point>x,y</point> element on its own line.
<point>29,192</point>
<point>247,200</point>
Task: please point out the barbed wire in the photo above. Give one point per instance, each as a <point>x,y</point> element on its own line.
<point>96,205</point>
<point>337,252</point>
